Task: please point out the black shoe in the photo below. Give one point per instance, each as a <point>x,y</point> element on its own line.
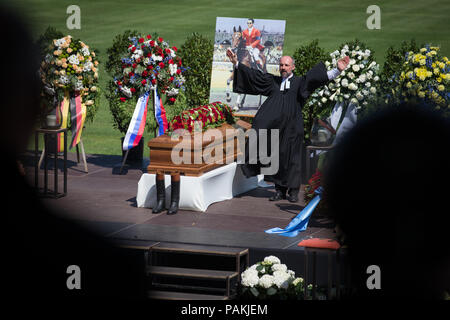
<point>293,195</point>
<point>160,197</point>
<point>174,198</point>
<point>279,195</point>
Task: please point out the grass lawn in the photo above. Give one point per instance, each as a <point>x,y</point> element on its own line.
<point>332,22</point>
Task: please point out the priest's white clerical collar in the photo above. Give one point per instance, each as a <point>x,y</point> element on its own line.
<point>286,84</point>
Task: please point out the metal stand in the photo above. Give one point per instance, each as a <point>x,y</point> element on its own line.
<point>83,155</point>
<point>44,156</point>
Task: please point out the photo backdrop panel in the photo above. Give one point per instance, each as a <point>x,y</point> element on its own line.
<point>271,37</point>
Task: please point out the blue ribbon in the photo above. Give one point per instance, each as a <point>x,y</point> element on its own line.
<point>300,222</point>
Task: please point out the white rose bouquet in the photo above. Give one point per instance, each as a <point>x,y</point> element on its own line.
<point>355,85</point>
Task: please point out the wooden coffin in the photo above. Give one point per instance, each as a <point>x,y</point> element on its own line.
<point>200,154</point>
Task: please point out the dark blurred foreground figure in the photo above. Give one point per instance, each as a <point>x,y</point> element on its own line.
<point>387,183</point>
<point>38,247</point>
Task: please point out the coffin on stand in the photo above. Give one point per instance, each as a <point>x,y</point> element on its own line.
<point>203,183</point>
<point>161,149</point>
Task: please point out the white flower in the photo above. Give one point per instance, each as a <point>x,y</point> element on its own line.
<point>352,62</point>
<point>63,79</point>
<point>354,101</point>
<point>353,86</point>
<point>355,67</point>
<point>365,92</point>
<point>346,96</point>
<point>272,259</point>
<point>279,266</point>
<point>359,96</point>
<point>297,281</point>
<point>368,84</point>
<point>327,64</point>
<point>282,279</point>
<point>126,91</point>
<point>351,75</point>
<point>88,66</point>
<point>344,82</point>
<point>73,59</point>
<point>373,90</point>
<point>249,278</point>
<point>85,51</point>
<point>172,92</point>
<point>343,73</point>
<point>362,78</point>
<point>266,281</point>
<point>376,78</point>
<point>361,65</point>
<point>79,85</point>
<point>172,69</point>
<point>156,58</point>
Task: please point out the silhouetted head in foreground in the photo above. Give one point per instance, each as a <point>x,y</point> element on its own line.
<point>387,184</point>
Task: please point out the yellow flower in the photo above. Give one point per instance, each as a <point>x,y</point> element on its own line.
<point>436,71</point>
<point>421,94</point>
<point>445,59</point>
<point>429,74</point>
<point>441,88</point>
<point>439,79</point>
<point>409,85</point>
<point>423,49</point>
<point>422,62</point>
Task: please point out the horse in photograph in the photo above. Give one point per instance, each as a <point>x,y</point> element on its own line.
<point>238,46</point>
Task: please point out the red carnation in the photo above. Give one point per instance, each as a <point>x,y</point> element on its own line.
<point>134,65</point>
<point>131,74</point>
<point>172,99</point>
<point>162,65</point>
<point>153,81</point>
<point>141,40</point>
<point>149,36</point>
<point>179,62</point>
<point>174,48</point>
<point>160,39</point>
<point>133,49</point>
<point>170,61</point>
<point>144,82</point>
<point>149,67</point>
<point>168,51</point>
<point>152,43</point>
<point>171,79</point>
<point>133,90</point>
<point>119,83</point>
<point>144,73</point>
<point>178,71</point>
<point>123,99</point>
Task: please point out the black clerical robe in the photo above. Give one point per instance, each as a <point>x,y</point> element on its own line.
<point>282,110</point>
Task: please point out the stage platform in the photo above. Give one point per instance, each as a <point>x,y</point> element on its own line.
<point>104,201</point>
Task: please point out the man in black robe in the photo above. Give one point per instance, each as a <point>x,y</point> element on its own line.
<point>286,95</point>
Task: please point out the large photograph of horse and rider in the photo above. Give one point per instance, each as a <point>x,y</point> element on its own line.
<point>258,43</point>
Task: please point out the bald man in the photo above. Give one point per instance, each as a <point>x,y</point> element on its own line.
<point>281,111</point>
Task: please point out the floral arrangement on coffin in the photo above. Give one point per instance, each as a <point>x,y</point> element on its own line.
<point>356,84</point>
<point>69,65</point>
<point>426,75</point>
<point>150,62</point>
<point>208,116</point>
<point>270,279</point>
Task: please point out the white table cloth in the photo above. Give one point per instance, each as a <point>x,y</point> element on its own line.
<point>197,193</point>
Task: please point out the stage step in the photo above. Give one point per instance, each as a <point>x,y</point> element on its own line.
<point>196,269</point>
<point>169,295</point>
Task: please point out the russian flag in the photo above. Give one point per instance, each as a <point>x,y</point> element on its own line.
<point>160,115</point>
<point>137,124</point>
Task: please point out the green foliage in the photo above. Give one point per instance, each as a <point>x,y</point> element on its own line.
<point>394,60</point>
<point>306,57</point>
<point>197,54</point>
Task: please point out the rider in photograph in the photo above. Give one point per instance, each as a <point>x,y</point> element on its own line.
<point>253,41</point>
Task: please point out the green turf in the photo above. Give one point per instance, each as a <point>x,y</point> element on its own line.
<point>332,22</point>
